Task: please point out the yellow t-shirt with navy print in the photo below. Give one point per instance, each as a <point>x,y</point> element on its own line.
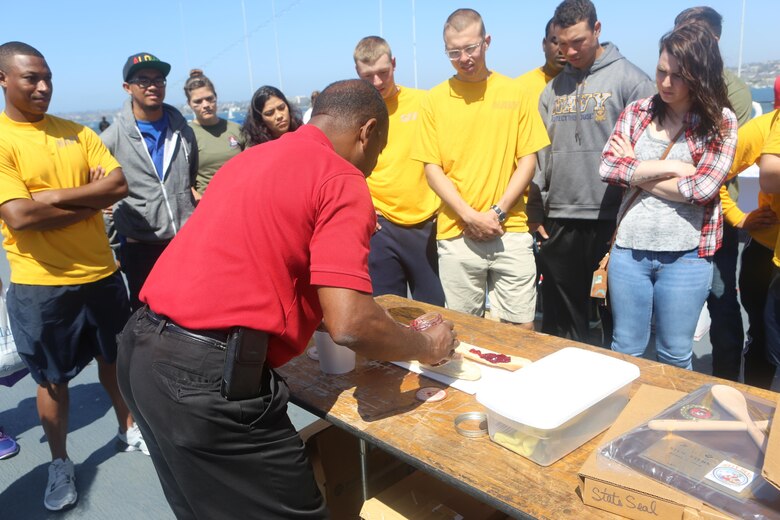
<point>772,145</point>
<point>398,186</point>
<point>751,139</point>
<point>534,82</point>
<point>476,132</point>
<point>50,154</point>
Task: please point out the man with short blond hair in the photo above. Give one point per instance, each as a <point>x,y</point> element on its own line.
<point>370,49</point>
<point>461,19</point>
<point>478,139</point>
<point>403,249</point>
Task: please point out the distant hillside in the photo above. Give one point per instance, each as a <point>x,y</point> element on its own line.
<point>760,75</point>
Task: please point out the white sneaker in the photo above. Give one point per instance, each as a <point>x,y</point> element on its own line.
<point>61,488</point>
<point>133,439</point>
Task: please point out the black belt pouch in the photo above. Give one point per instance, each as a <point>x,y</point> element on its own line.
<point>244,359</point>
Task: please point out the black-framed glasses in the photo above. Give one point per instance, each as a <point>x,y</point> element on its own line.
<point>146,82</point>
<point>454,54</point>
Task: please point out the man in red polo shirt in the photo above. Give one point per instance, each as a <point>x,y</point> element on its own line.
<point>278,243</point>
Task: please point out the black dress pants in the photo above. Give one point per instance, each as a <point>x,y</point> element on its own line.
<point>726,332</point>
<point>138,259</point>
<point>406,254</point>
<point>568,258</point>
<point>215,458</point>
<point>754,278</point>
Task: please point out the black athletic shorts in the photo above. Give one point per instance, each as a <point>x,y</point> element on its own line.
<point>59,329</point>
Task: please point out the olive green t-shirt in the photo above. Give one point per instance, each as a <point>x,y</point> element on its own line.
<point>216,144</point>
<point>741,101</point>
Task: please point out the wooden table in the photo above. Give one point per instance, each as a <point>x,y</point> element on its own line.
<point>377,403</point>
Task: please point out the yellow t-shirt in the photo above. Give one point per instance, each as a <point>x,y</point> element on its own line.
<point>50,154</point>
<point>772,145</point>
<point>750,143</point>
<point>534,82</point>
<point>476,132</point>
<point>398,186</point>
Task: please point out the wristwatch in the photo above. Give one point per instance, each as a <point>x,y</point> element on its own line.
<point>500,213</point>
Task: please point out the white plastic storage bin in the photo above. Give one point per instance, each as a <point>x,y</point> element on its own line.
<point>558,403</point>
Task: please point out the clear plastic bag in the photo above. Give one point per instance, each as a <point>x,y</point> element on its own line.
<point>721,468</point>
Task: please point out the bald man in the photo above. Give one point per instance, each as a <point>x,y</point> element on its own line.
<point>285,234</point>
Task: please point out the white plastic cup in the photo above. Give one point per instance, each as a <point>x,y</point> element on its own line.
<point>334,358</point>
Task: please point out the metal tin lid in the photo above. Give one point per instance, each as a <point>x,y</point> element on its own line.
<point>549,392</point>
<point>471,418</point>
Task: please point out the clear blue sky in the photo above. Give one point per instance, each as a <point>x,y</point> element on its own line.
<point>87,41</point>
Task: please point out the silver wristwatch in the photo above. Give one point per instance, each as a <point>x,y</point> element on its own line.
<point>500,213</point>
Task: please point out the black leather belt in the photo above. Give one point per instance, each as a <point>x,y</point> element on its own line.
<point>213,338</point>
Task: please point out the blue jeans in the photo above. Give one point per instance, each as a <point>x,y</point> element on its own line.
<point>673,286</point>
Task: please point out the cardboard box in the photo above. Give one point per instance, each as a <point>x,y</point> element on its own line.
<point>335,458</point>
<point>423,497</point>
<point>612,487</point>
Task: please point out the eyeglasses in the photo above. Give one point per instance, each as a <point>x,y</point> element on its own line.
<point>454,54</point>
<point>146,82</point>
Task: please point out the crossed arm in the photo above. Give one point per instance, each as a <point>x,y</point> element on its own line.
<point>58,208</point>
<point>658,177</point>
<point>671,179</point>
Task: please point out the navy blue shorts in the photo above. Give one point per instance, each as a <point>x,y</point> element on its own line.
<point>59,329</point>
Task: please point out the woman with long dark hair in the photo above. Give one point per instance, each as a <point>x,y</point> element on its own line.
<point>269,117</point>
<point>672,152</point>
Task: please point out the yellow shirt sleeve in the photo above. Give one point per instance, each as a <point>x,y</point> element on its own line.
<point>772,146</point>
<point>398,185</point>
<point>97,153</point>
<point>424,147</point>
<point>11,184</point>
<point>731,212</point>
<point>751,138</point>
<point>532,135</point>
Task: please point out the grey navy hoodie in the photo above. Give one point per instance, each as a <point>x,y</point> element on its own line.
<point>153,210</point>
<point>580,109</point>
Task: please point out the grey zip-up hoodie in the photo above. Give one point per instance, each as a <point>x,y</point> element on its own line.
<point>580,109</point>
<point>153,210</point>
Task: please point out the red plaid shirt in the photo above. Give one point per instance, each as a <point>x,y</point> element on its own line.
<point>712,157</point>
